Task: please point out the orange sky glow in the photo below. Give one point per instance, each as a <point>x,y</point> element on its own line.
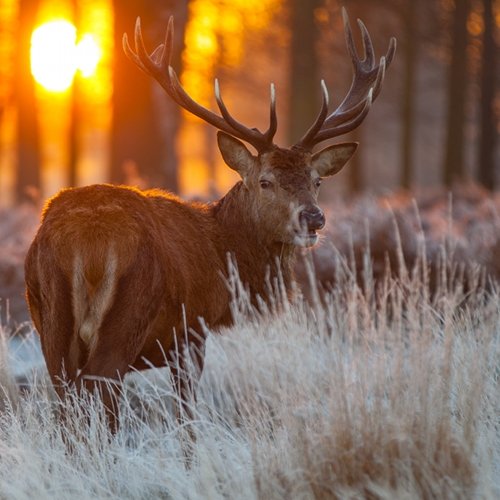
<point>212,39</point>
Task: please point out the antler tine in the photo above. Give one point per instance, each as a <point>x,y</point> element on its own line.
<point>162,55</point>
<point>273,119</point>
<point>377,87</point>
<point>257,137</point>
<point>340,116</point>
<point>158,65</point>
<point>158,53</point>
<point>149,64</point>
<point>223,109</point>
<point>316,126</point>
<point>366,84</point>
<point>351,46</point>
<point>367,45</point>
<point>344,128</point>
<point>389,56</point>
<point>128,50</point>
<point>140,48</point>
<point>365,70</point>
<point>169,40</point>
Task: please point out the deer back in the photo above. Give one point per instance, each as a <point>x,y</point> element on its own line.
<point>97,236</point>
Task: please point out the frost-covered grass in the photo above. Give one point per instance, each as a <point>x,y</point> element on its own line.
<point>17,228</point>
<point>466,221</point>
<point>384,391</point>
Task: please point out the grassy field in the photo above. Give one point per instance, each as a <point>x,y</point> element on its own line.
<point>386,387</point>
<point>379,391</point>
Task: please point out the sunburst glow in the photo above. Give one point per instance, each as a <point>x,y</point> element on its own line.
<point>88,54</point>
<point>56,56</point>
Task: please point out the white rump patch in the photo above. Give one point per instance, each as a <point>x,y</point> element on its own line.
<point>90,306</point>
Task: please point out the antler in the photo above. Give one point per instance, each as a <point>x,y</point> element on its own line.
<point>158,66</point>
<point>365,87</point>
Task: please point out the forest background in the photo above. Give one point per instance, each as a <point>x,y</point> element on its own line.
<point>435,123</point>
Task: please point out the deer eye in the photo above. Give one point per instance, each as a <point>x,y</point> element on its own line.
<point>317,182</point>
<point>265,184</point>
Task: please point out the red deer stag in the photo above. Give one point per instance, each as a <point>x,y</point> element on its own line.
<point>113,272</point>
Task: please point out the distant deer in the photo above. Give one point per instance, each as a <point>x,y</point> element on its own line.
<point>114,273</point>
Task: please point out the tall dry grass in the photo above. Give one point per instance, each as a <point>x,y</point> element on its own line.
<point>379,391</point>
<point>466,221</point>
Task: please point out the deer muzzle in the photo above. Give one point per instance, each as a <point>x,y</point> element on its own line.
<point>312,219</point>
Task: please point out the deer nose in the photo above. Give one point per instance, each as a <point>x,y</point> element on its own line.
<point>313,218</point>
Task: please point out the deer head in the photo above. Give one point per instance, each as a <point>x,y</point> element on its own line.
<point>280,185</point>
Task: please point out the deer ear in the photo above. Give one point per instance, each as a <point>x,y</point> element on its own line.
<point>329,161</point>
<point>235,153</point>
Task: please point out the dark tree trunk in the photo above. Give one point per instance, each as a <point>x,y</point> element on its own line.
<point>355,179</point>
<point>304,88</point>
<point>145,122</point>
<point>211,150</point>
<point>171,114</point>
<point>28,154</point>
<point>453,168</point>
<point>488,126</point>
<point>408,107</point>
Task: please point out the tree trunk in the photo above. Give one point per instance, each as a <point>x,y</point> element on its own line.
<point>28,153</point>
<point>74,119</point>
<point>171,113</point>
<point>453,168</point>
<point>355,179</point>
<point>304,81</point>
<point>145,124</point>
<point>408,108</point>
<point>488,126</point>
<point>73,136</point>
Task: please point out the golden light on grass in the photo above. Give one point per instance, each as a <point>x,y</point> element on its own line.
<point>56,55</point>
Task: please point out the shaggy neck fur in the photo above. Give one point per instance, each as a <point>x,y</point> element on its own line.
<point>256,255</point>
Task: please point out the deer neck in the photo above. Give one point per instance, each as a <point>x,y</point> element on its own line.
<point>258,258</point>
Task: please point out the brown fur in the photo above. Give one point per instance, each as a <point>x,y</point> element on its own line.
<point>113,270</point>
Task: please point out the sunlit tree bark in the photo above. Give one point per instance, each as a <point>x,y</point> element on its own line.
<point>145,122</point>
<point>28,155</point>
<point>488,125</point>
<point>74,113</point>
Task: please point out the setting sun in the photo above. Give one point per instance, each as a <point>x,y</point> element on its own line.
<point>56,56</point>
<point>88,54</point>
